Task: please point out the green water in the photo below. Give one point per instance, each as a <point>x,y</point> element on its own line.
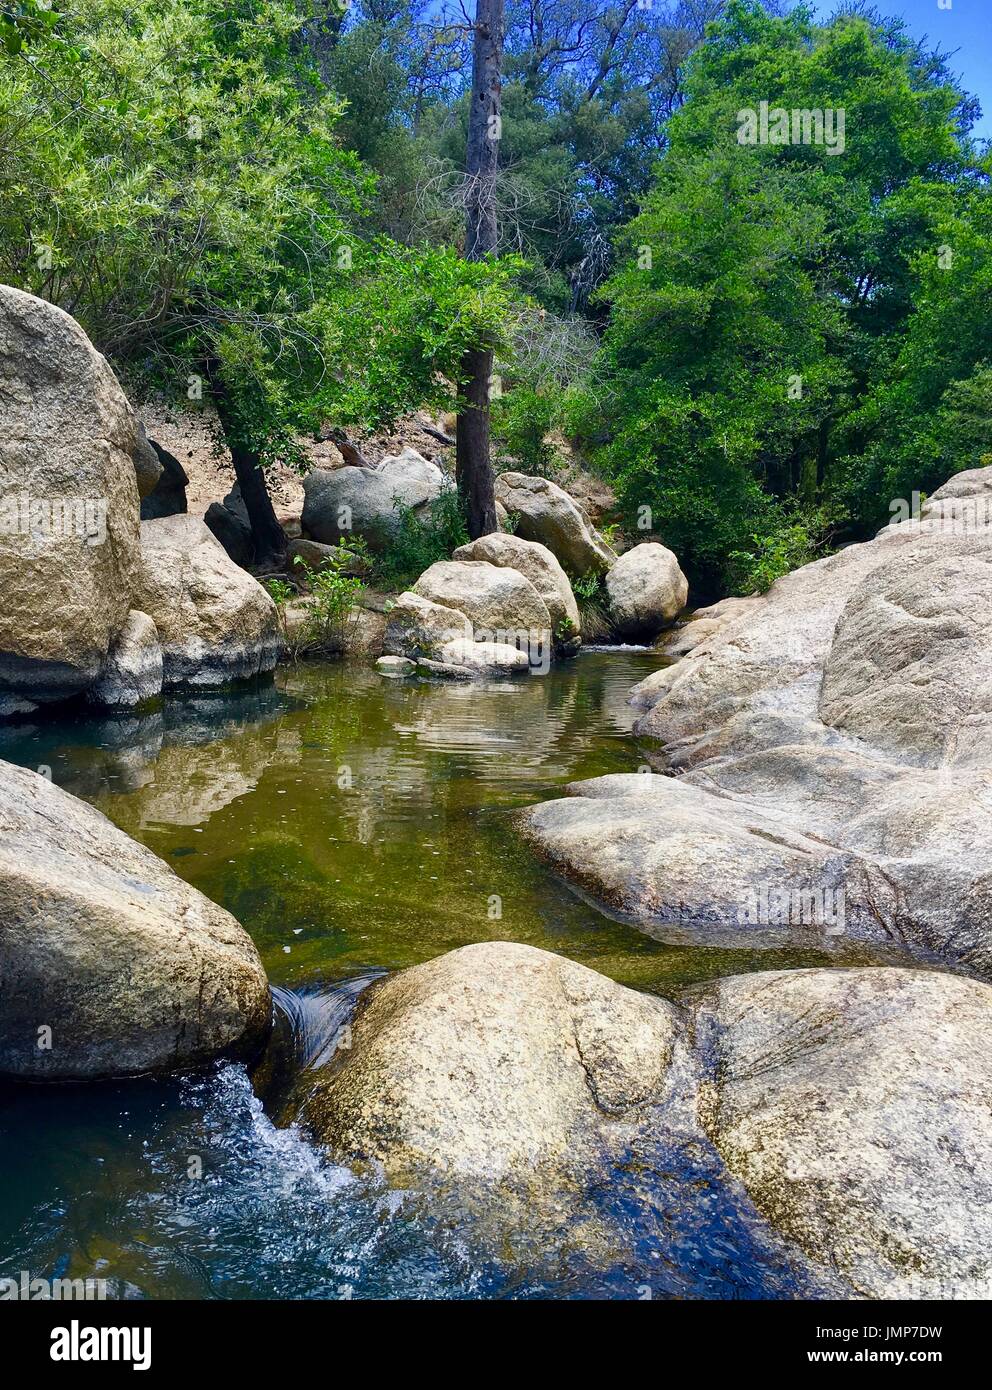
<point>352,822</point>
<point>354,825</point>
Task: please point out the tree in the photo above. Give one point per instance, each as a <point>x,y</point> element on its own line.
<point>767,290</point>
<point>172,179</point>
<point>473,460</point>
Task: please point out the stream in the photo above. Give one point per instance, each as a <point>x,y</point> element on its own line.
<point>357,825</point>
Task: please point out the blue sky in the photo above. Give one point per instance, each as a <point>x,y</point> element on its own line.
<point>965,29</point>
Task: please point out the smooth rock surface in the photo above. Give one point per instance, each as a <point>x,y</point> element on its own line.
<point>646,589</point>
<point>130,968</point>
<point>350,501</point>
<point>546,513</point>
<point>215,622</point>
<point>485,657</point>
<point>536,563</point>
<point>68,503</point>
<point>494,600</point>
<point>418,627</point>
<point>132,672</point>
<point>495,1062</point>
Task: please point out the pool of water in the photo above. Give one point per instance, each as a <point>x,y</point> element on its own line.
<point>355,825</point>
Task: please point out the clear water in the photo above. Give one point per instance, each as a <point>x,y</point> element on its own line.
<point>357,825</point>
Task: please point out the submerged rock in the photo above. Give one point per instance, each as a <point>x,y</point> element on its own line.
<point>215,622</point>
<point>110,965</point>
<point>545,513</point>
<point>68,504</point>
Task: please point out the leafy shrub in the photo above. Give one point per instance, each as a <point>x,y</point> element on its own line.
<point>332,596</point>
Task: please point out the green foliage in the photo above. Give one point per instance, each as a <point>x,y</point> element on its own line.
<point>781,332</point>
<point>422,538</point>
<point>521,422</point>
<point>172,177</point>
<point>332,596</point>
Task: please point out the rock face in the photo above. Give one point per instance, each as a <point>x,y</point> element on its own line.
<point>536,563</point>
<point>215,622</point>
<point>417,627</point>
<point>496,1062</point>
<point>350,501</point>
<point>168,497</point>
<point>494,600</point>
<point>850,707</point>
<point>647,590</point>
<point>910,668</point>
<point>68,503</point>
<point>132,673</point>
<point>854,1106</point>
<point>547,514</point>
<point>110,965</point>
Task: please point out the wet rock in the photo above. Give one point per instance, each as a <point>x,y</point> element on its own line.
<point>496,1062</point>
<point>132,673</point>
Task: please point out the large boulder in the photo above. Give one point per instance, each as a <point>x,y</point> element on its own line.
<point>494,600</point>
<point>368,502</point>
<point>68,503</point>
<point>910,667</point>
<point>496,1062</point>
<point>418,627</point>
<point>849,706</point>
<point>536,563</point>
<point>110,964</point>
<point>665,851</point>
<point>132,672</point>
<point>854,1105</point>
<point>546,513</point>
<point>215,622</point>
<point>646,589</point>
<point>844,1114</point>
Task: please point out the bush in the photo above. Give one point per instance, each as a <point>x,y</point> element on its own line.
<point>422,539</point>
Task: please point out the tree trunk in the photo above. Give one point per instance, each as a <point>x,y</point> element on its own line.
<point>473,459</point>
<point>269,537</point>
